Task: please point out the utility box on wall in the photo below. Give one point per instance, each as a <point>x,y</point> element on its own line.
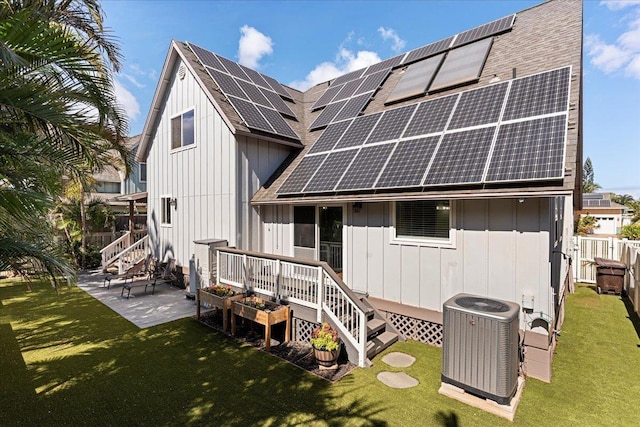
<point>480,346</point>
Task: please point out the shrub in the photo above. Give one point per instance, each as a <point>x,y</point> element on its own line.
<point>631,231</point>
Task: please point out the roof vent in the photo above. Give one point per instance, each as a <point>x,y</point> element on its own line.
<point>182,71</point>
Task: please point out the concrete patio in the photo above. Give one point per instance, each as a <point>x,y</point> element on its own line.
<point>142,309</point>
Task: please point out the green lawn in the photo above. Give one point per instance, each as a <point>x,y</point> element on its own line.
<point>66,359</point>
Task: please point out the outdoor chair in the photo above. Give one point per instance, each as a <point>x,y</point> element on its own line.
<point>167,276</point>
<point>141,268</point>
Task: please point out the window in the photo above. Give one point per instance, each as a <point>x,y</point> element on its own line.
<point>108,187</point>
<point>423,220</point>
<point>143,172</point>
<point>304,228</point>
<point>165,208</point>
<point>182,130</point>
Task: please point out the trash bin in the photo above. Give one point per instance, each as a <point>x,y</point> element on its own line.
<point>610,275</point>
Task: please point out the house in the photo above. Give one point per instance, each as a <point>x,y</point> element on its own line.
<point>611,216</point>
<point>450,168</point>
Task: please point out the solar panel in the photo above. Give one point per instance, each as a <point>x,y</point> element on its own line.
<point>255,77</point>
<point>226,83</point>
<point>206,57</point>
<point>479,106</point>
<point>592,196</point>
<point>358,131</point>
<point>347,77</point>
<point>250,115</point>
<point>253,92</point>
<point>326,181</point>
<point>329,137</point>
<point>461,157</point>
<point>277,87</point>
<point>301,174</point>
<point>539,94</point>
<point>277,122</point>
<point>353,107</point>
<point>384,65</point>
<point>278,103</point>
<point>233,68</point>
<point>326,97</point>
<point>392,124</point>
<point>348,89</point>
<point>373,81</point>
<point>431,116</point>
<point>462,65</point>
<point>409,161</point>
<point>365,168</point>
<point>529,150</point>
<point>428,50</point>
<point>415,79</point>
<point>495,27</point>
<point>327,115</point>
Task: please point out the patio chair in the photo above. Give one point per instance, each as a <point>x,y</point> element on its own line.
<point>141,268</point>
<point>167,276</point>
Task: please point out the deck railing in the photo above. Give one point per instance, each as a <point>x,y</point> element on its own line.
<point>110,252</point>
<point>119,247</point>
<point>133,254</point>
<point>307,283</point>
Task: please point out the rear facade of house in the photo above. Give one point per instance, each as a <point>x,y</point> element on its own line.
<point>452,168</point>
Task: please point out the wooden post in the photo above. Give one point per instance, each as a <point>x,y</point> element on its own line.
<point>320,296</point>
<point>131,220</point>
<point>198,304</point>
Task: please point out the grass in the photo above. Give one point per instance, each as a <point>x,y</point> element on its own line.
<point>66,359</point>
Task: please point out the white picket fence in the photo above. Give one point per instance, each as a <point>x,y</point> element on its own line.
<point>585,249</point>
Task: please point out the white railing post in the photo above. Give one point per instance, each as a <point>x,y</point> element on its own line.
<point>217,267</point>
<point>320,288</point>
<point>244,271</point>
<point>362,340</point>
<point>278,267</point>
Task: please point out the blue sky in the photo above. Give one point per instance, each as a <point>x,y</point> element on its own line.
<point>305,42</point>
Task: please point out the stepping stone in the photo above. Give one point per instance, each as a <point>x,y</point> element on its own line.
<point>398,360</point>
<point>397,380</point>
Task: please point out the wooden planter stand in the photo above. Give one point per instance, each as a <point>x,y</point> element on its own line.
<point>222,303</point>
<point>268,316</point>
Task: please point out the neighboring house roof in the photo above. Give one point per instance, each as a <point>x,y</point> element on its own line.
<point>107,174</point>
<point>595,201</point>
<point>492,111</point>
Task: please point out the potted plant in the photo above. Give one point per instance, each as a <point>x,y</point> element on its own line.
<point>220,297</point>
<point>326,345</point>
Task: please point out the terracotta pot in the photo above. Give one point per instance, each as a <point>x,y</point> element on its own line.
<point>326,357</point>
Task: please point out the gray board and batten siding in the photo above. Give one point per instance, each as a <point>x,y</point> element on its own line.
<point>212,180</point>
<point>499,248</point>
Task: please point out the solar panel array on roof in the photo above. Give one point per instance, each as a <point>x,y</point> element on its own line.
<point>416,79</point>
<point>428,50</point>
<point>347,77</point>
<point>250,93</point>
<point>364,171</point>
<point>454,140</point>
<point>327,115</point>
<point>593,196</point>
<point>326,97</point>
<point>330,137</point>
<point>596,203</point>
<point>373,81</point>
<point>384,65</point>
<point>462,65</point>
<point>305,170</point>
<point>486,30</point>
<point>353,107</point>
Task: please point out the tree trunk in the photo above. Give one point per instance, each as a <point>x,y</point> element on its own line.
<point>83,243</point>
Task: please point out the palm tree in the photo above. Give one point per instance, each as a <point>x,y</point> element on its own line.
<point>58,112</point>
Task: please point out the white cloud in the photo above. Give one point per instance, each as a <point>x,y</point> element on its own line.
<point>132,80</point>
<point>619,4</point>
<point>390,34</point>
<point>253,46</point>
<point>346,61</point>
<point>126,100</point>
<point>624,53</point>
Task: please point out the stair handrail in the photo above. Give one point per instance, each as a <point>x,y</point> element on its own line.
<point>140,244</point>
<point>109,253</point>
<point>235,274</point>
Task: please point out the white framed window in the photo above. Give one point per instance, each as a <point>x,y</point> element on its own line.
<point>142,172</point>
<point>165,210</point>
<point>423,222</point>
<point>183,130</point>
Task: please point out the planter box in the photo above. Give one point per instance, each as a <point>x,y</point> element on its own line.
<point>221,303</point>
<point>268,316</point>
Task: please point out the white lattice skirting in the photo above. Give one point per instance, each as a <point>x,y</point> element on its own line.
<point>416,329</point>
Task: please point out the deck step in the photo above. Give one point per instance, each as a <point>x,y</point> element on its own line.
<point>374,326</point>
<point>380,342</point>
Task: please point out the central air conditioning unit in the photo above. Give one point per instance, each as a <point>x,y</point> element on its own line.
<point>480,346</point>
